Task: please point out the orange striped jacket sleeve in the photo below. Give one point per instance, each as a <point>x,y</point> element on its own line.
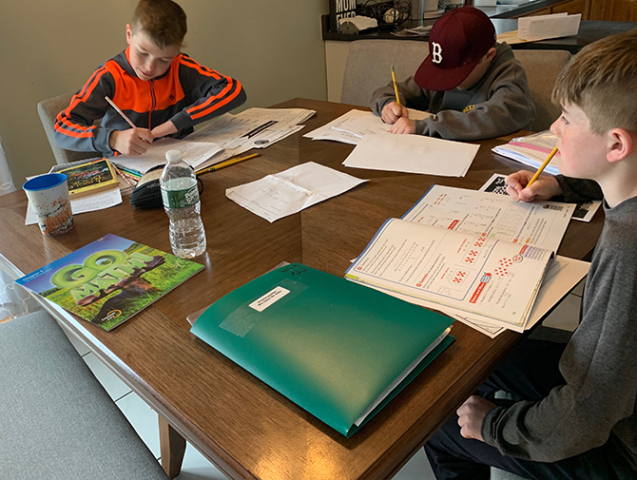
<point>74,127</point>
<point>211,93</point>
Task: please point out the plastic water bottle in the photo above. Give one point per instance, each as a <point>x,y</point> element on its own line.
<point>180,196</point>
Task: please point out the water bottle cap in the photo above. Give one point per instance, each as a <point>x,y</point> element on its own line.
<point>173,156</point>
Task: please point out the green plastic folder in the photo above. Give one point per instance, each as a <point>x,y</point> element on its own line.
<point>329,345</point>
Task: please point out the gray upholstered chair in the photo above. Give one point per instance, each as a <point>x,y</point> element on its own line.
<point>48,110</point>
<point>57,421</point>
<point>369,63</point>
<point>542,68</point>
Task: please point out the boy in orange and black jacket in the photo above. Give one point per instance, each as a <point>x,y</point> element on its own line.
<point>162,91</point>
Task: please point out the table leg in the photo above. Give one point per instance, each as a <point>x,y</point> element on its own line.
<point>172,446</point>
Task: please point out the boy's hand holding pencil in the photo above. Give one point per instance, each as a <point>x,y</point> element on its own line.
<point>394,110</point>
<point>529,186</point>
<point>133,141</point>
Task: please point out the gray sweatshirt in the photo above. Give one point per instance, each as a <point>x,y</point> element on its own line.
<point>599,364</point>
<point>499,104</point>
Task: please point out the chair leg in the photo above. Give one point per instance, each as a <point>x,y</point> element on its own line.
<point>173,447</point>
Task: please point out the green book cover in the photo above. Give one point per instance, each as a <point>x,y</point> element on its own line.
<point>109,280</point>
<point>329,345</point>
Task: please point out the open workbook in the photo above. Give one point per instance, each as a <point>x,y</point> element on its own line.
<point>470,252</point>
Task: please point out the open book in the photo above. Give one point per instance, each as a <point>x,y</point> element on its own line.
<point>221,138</point>
<point>471,253</point>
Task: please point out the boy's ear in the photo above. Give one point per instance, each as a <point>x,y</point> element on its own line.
<point>491,54</point>
<point>621,144</point>
<point>129,33</point>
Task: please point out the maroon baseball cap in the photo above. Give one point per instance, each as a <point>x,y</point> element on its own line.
<point>457,42</point>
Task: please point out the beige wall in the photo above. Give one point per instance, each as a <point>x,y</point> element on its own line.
<point>50,47</point>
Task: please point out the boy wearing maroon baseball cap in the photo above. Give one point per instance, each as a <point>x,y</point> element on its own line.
<point>475,87</point>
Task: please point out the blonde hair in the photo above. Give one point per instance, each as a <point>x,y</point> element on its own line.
<point>602,80</point>
<point>162,20</point>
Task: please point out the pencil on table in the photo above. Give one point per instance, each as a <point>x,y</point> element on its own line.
<point>541,169</point>
<point>393,77</point>
<point>121,174</point>
<point>128,120</point>
<point>227,163</point>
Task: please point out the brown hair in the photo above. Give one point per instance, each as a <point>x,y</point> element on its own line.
<point>162,20</point>
<point>602,80</point>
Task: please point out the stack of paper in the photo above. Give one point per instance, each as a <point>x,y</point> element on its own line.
<point>542,27</point>
<point>222,138</point>
<point>532,151</point>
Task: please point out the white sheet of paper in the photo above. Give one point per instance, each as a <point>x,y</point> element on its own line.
<point>542,27</point>
<point>355,124</point>
<point>277,196</point>
<point>413,154</point>
<point>88,203</point>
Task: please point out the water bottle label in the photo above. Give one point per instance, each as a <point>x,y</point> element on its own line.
<point>180,198</point>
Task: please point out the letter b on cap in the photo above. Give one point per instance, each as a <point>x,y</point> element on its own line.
<point>436,54</point>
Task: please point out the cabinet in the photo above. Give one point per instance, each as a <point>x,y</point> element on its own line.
<point>569,6</point>
<point>613,10</point>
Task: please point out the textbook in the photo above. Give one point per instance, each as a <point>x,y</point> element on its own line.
<point>338,350</point>
<point>109,280</point>
<point>470,253</point>
<point>90,177</point>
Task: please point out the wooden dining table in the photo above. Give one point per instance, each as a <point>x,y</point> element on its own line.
<point>244,427</point>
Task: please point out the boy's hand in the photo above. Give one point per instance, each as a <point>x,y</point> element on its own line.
<point>403,125</point>
<point>163,130</point>
<point>544,188</point>
<point>133,141</point>
<point>471,415</point>
<point>392,112</point>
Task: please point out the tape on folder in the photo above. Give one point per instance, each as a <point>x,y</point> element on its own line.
<point>337,349</point>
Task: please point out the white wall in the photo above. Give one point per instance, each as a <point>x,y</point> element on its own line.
<point>50,47</point>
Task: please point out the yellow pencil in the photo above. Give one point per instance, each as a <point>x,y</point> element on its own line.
<point>540,170</point>
<point>542,167</point>
<point>128,120</point>
<point>227,163</point>
<point>393,77</point>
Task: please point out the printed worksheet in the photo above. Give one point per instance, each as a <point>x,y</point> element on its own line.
<point>539,224</point>
<point>584,211</point>
<point>355,124</point>
<point>282,194</point>
<point>472,273</point>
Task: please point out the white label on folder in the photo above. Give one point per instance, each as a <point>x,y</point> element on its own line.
<point>269,298</point>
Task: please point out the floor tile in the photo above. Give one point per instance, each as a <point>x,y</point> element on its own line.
<point>197,467</point>
<point>76,342</point>
<point>115,387</point>
<point>579,289</point>
<point>566,314</point>
<point>143,419</point>
<point>417,468</point>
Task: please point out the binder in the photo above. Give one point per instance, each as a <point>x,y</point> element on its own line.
<point>333,347</point>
